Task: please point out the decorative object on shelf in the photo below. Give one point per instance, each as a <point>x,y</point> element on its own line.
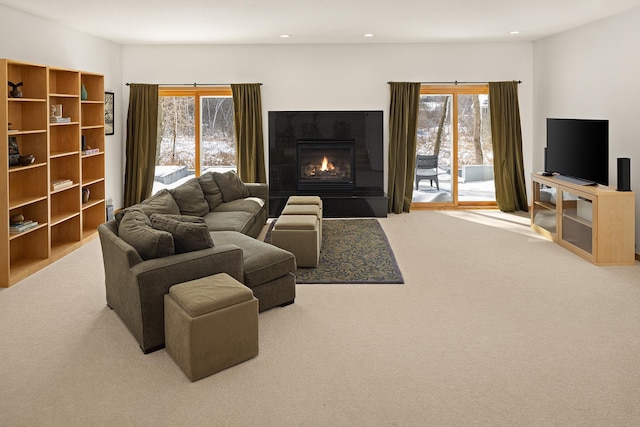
<point>26,160</point>
<point>85,194</point>
<point>15,92</point>
<point>16,218</point>
<point>84,142</point>
<point>83,93</point>
<point>14,152</point>
<point>56,111</point>
<point>108,113</point>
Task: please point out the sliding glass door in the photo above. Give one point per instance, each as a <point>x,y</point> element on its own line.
<point>454,155</point>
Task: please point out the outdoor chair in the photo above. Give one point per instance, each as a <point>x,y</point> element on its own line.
<point>427,168</point>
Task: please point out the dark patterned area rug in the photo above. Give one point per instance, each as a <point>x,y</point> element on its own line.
<point>353,251</point>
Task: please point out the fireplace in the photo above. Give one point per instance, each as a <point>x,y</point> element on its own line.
<point>325,165</point>
<point>337,155</point>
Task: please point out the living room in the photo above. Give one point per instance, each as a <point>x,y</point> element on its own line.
<point>355,76</point>
<point>586,72</point>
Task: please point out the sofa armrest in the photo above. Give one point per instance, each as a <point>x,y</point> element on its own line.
<point>153,278</point>
<point>257,189</point>
<point>116,253</point>
<point>190,266</point>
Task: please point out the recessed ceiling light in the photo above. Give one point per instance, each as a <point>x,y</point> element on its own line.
<point>285,36</point>
<point>514,32</point>
<point>368,35</point>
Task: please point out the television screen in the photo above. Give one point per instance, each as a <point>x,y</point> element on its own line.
<point>578,148</point>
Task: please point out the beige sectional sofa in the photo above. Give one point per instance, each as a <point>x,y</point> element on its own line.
<point>203,227</point>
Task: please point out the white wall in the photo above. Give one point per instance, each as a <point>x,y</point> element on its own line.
<point>336,77</point>
<point>593,72</point>
<point>39,41</point>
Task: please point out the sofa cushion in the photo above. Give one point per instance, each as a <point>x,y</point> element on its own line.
<point>229,221</point>
<point>262,262</point>
<point>135,229</point>
<point>161,202</point>
<point>181,218</point>
<point>212,193</point>
<point>231,186</point>
<point>190,233</point>
<point>190,198</point>
<point>252,205</point>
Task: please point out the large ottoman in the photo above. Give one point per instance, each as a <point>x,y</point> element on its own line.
<point>210,324</point>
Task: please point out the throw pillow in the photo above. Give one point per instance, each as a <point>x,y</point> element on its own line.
<point>161,202</point>
<point>188,235</point>
<point>190,198</point>
<point>211,191</point>
<point>135,229</point>
<point>231,186</point>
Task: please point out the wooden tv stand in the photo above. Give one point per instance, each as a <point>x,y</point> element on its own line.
<point>595,222</point>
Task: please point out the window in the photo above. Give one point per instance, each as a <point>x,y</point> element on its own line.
<point>195,134</point>
<point>454,127</point>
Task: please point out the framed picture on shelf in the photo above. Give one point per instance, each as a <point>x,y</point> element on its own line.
<point>108,113</point>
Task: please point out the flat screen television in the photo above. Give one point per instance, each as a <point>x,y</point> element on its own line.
<point>578,148</point>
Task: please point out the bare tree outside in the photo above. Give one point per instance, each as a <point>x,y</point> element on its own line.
<point>177,130</point>
<point>176,144</point>
<point>218,144</point>
<point>474,132</point>
<point>477,129</point>
<point>434,127</point>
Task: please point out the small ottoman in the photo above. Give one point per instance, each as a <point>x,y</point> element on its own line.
<point>305,210</point>
<point>305,200</point>
<point>210,324</point>
<point>298,234</point>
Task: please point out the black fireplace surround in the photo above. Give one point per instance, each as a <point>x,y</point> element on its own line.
<point>337,155</point>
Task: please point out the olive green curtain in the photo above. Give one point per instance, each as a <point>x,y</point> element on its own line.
<point>247,110</point>
<point>403,126</point>
<point>142,135</point>
<point>506,134</point>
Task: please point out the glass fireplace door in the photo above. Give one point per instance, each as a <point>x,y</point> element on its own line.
<point>325,165</point>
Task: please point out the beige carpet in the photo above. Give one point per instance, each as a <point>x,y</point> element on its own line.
<point>493,327</point>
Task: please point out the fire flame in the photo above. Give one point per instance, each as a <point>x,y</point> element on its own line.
<point>326,166</point>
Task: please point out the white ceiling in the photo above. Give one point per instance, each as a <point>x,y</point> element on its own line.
<point>320,21</point>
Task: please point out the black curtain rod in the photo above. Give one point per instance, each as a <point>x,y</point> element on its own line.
<point>193,84</point>
<point>455,82</point>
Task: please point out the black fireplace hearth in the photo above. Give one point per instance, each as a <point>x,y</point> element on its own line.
<point>337,155</point>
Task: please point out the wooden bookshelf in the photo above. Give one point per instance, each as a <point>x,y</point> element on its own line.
<point>64,220</point>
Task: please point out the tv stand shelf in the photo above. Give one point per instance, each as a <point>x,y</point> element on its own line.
<point>595,222</point>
